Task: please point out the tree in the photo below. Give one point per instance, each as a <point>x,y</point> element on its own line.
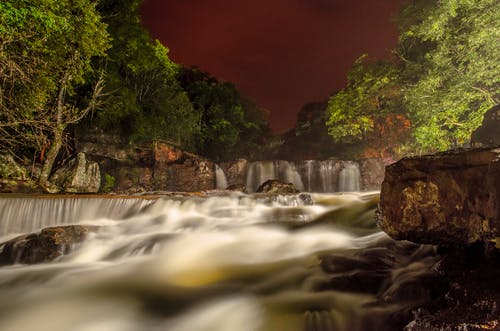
<point>45,55</point>
<point>230,125</point>
<point>368,109</point>
<point>446,77</point>
<point>450,86</point>
<point>144,98</point>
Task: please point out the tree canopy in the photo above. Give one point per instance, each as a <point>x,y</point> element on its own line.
<point>445,78</point>
<point>46,52</point>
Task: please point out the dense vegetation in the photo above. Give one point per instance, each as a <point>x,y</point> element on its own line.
<point>64,62</point>
<point>435,94</point>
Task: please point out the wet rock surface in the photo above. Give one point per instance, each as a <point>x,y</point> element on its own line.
<point>471,301</point>
<point>446,198</point>
<point>47,245</point>
<point>399,275</point>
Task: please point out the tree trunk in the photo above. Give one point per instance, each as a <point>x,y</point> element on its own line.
<point>56,144</point>
<point>49,161</point>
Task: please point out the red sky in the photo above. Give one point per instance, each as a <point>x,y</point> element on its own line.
<point>279,53</point>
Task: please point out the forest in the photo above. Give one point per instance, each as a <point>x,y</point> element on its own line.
<point>71,66</point>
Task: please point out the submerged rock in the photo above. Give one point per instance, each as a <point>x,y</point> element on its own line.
<point>45,246</point>
<point>446,198</point>
<point>277,187</point>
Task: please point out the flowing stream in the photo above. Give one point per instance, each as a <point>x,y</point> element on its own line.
<point>223,263</point>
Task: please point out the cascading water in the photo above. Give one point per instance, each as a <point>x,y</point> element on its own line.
<point>323,176</point>
<point>236,262</point>
<point>27,214</point>
<point>349,177</point>
<point>220,178</point>
<point>261,171</point>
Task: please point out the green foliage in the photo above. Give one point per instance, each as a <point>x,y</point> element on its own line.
<point>230,126</point>
<point>145,101</point>
<point>458,77</point>
<point>109,183</point>
<point>46,51</point>
<point>371,93</point>
<point>446,79</point>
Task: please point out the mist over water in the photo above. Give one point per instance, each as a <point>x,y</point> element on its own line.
<point>235,262</point>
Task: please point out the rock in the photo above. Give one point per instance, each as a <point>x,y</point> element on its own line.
<point>488,134</point>
<point>471,300</point>
<point>306,199</point>
<point>133,179</point>
<point>237,187</point>
<point>10,169</point>
<point>190,174</point>
<point>446,198</point>
<point>164,153</point>
<point>277,187</point>
<point>79,176</point>
<point>235,171</point>
<point>44,246</point>
<point>372,174</point>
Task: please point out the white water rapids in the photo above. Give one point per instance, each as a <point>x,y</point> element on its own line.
<point>222,263</point>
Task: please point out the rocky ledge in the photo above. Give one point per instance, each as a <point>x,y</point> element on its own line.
<point>446,198</point>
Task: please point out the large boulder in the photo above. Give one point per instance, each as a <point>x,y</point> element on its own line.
<point>79,176</point>
<point>446,198</point>
<point>488,134</point>
<point>45,246</point>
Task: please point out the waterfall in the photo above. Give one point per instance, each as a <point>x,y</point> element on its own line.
<point>328,170</point>
<point>323,176</point>
<point>261,171</point>
<point>27,214</point>
<point>220,178</point>
<point>349,177</point>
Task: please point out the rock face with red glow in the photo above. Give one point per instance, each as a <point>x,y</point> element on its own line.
<point>446,198</point>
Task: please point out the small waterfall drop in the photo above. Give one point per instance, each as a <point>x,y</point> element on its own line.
<point>28,214</point>
<point>349,177</point>
<point>220,178</point>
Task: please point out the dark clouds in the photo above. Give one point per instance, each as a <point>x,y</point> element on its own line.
<point>280,53</point>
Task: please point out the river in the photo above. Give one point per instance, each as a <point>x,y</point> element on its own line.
<point>228,262</point>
